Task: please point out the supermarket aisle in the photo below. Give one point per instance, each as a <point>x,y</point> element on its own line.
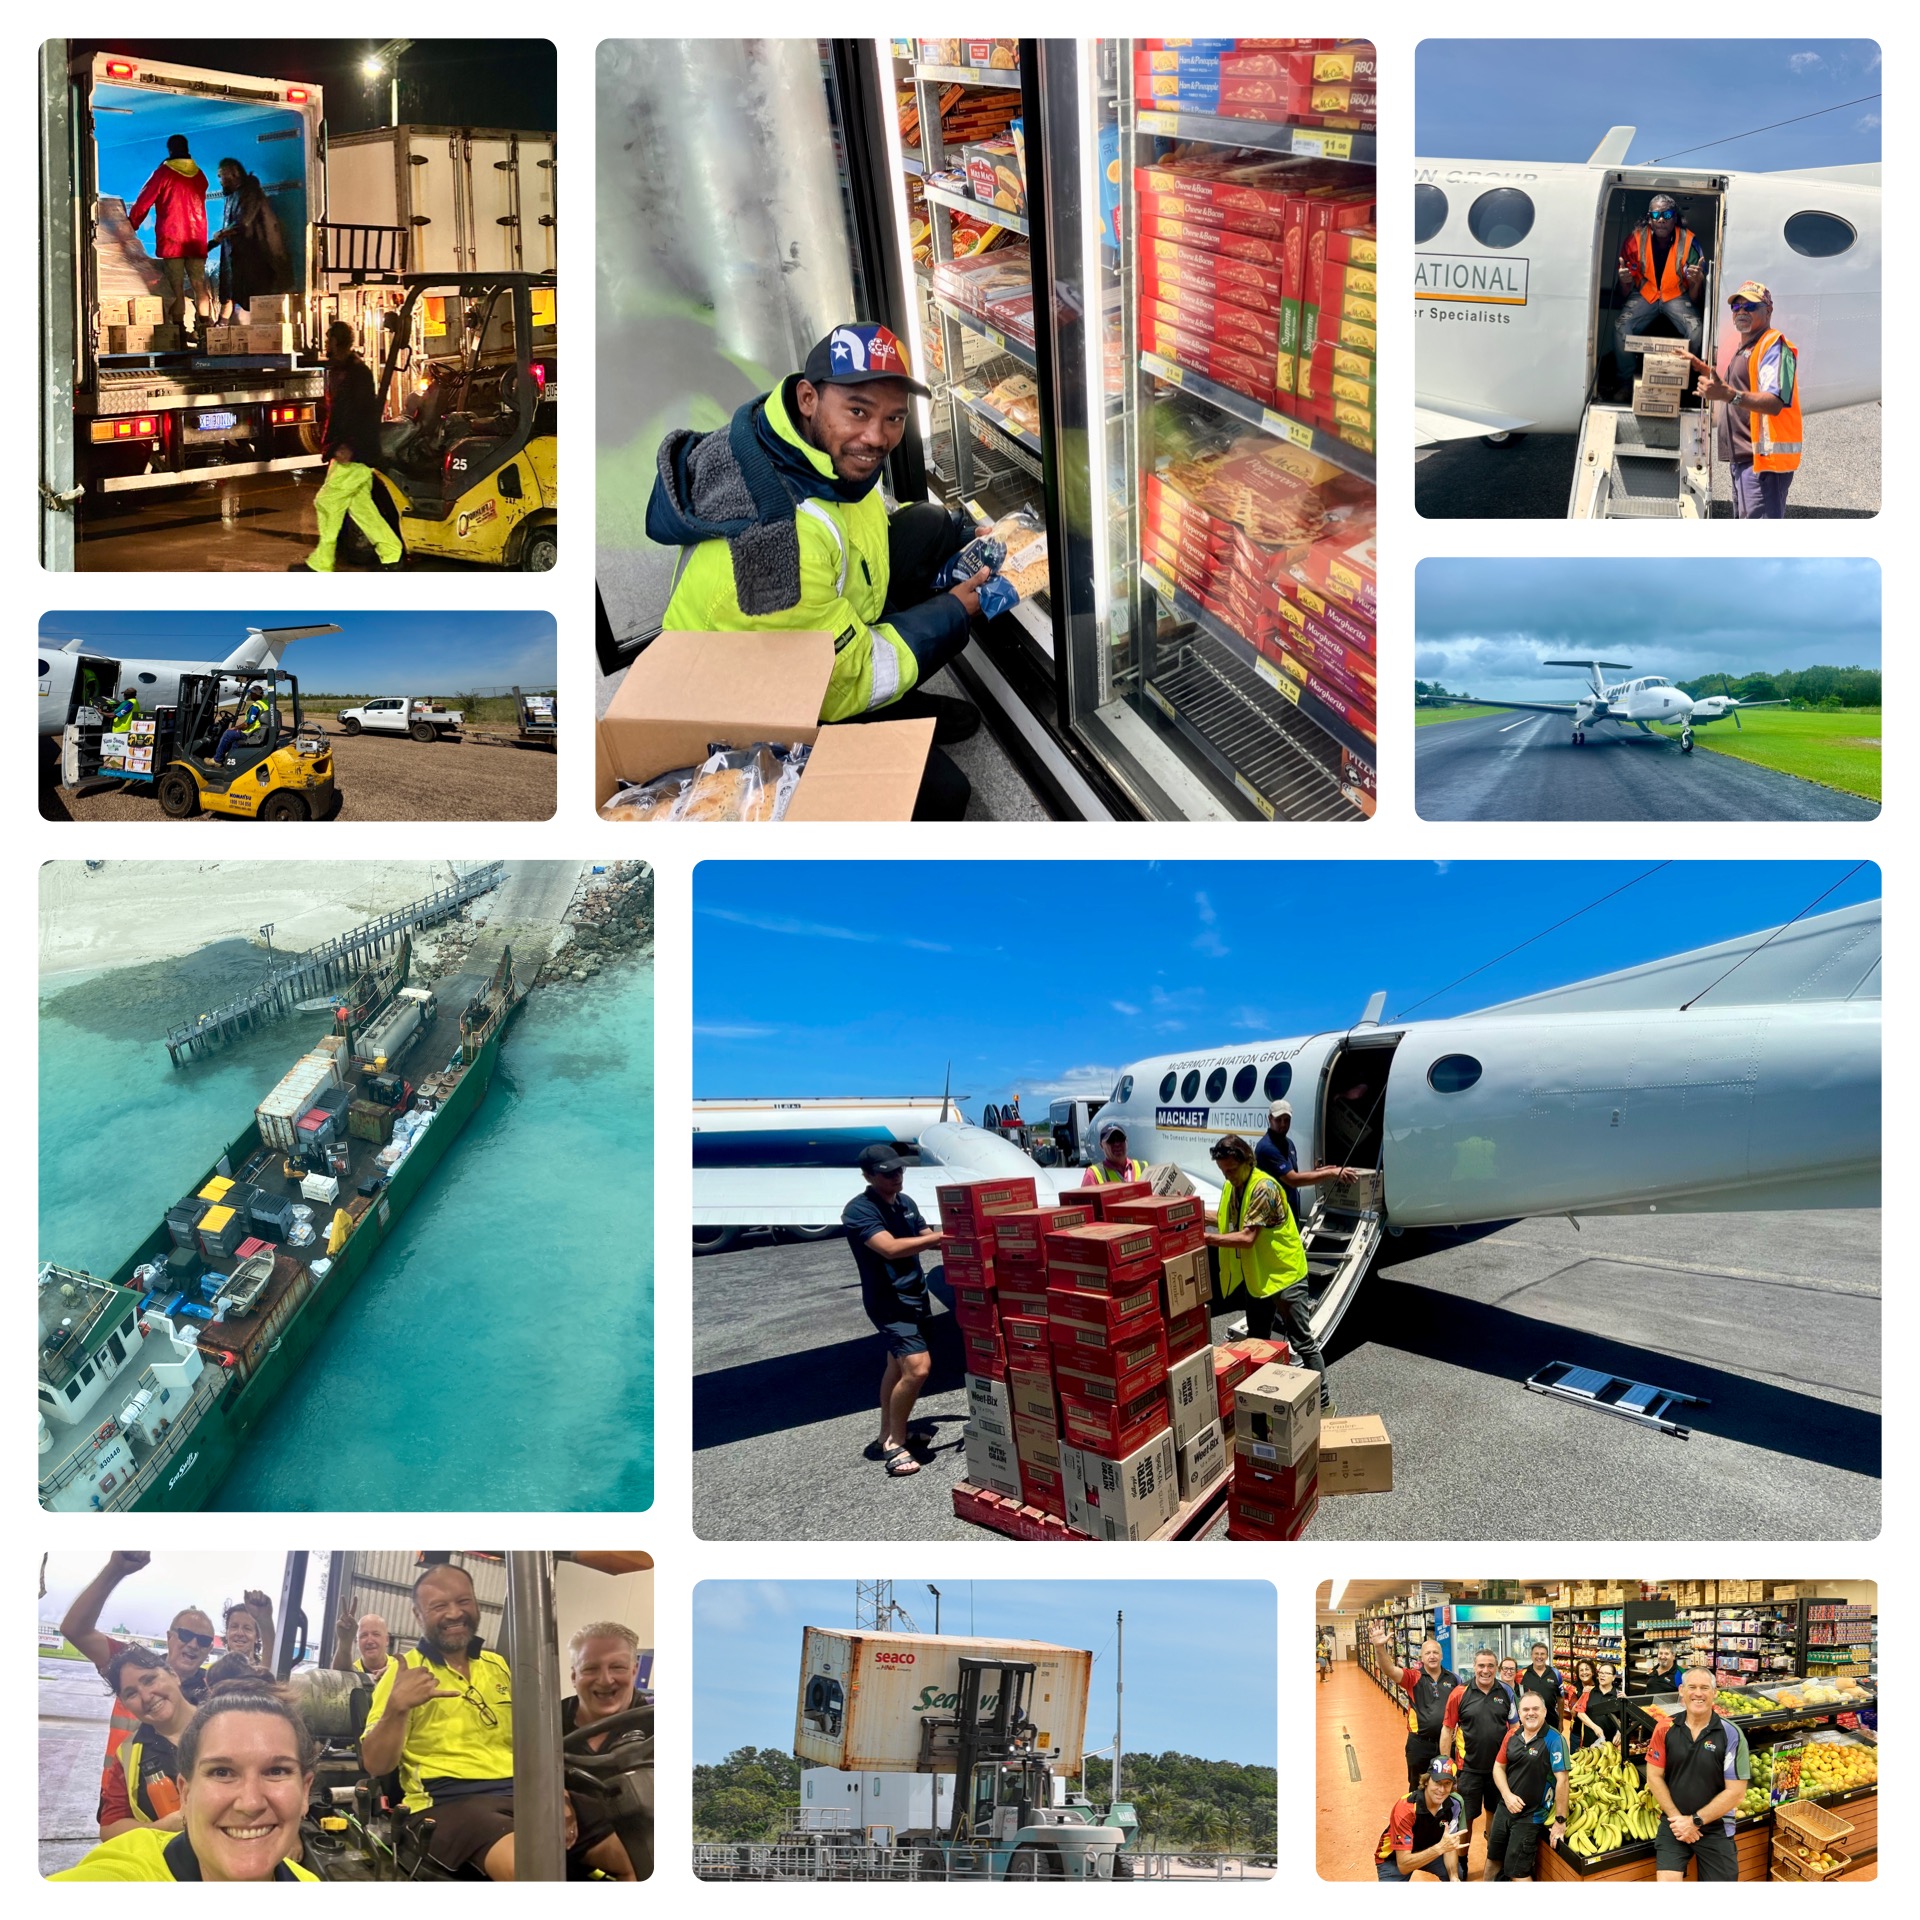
<point>1360,1771</point>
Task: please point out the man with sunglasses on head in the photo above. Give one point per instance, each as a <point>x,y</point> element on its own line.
<point>1663,270</point>
<point>189,1643</point>
<point>442,1714</point>
<point>888,1235</point>
<point>1758,422</point>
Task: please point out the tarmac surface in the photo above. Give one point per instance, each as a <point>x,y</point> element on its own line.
<point>1774,1318</point>
<point>487,776</point>
<point>1521,766</point>
<point>259,524</point>
<point>74,1709</point>
<point>1531,478</point>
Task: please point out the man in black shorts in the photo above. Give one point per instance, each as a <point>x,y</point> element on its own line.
<point>888,1236</point>
<point>1530,1793</point>
<point>1478,1715</point>
<point>1698,1767</point>
<point>1427,1688</point>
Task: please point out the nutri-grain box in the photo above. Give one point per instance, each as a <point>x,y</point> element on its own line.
<point>966,1206</point>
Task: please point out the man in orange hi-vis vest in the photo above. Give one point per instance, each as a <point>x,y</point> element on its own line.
<point>1662,270</point>
<point>1758,402</point>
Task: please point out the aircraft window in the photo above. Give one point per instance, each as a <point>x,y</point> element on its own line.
<point>1167,1086</point>
<point>1191,1084</point>
<point>1453,1073</point>
<point>1125,1093</point>
<point>1501,217</point>
<point>1279,1079</point>
<point>44,669</point>
<point>1819,235</point>
<point>1243,1082</point>
<point>149,679</point>
<point>1216,1083</point>
<point>1429,213</point>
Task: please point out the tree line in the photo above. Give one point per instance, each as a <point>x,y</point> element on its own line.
<point>1183,1804</point>
<point>1812,689</point>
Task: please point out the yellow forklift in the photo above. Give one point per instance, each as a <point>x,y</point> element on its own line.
<point>285,775</point>
<point>468,395</point>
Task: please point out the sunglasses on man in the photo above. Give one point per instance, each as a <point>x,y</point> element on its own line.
<point>1744,306</point>
<point>1663,216</point>
<point>201,1640</point>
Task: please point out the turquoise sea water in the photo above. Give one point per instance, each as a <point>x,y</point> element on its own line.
<point>497,1353</point>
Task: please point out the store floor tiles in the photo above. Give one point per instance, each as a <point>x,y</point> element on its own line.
<point>1360,1771</point>
<point>1773,1319</point>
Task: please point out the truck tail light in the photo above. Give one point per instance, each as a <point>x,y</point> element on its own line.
<point>145,427</point>
<point>288,416</point>
<point>297,96</point>
<point>119,69</point>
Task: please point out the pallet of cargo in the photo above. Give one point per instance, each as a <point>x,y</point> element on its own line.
<point>1018,1521</point>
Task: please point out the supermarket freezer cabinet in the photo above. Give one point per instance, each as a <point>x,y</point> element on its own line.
<point>1147,300</point>
<point>1137,278</point>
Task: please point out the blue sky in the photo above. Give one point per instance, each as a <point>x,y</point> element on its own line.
<point>1483,626</point>
<point>1554,99</point>
<point>1201,1662</point>
<point>410,652</point>
<point>1037,977</point>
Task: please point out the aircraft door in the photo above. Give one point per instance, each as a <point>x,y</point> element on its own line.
<point>1351,1123</point>
<point>1815,243</point>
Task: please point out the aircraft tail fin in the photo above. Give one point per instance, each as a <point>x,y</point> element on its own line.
<point>1612,151</point>
<point>1593,669</point>
<point>263,646</point>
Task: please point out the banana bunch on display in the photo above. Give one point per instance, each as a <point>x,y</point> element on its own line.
<point>1608,1805</point>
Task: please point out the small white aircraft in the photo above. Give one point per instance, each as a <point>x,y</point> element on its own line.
<point>1516,293</point>
<point>77,673</point>
<point>1646,703</point>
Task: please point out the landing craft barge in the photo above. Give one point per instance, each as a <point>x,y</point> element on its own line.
<point>151,1381</point>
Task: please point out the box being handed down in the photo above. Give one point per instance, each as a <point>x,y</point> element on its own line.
<point>689,693</point>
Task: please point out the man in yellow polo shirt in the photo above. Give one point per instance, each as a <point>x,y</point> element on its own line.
<point>443,1715</point>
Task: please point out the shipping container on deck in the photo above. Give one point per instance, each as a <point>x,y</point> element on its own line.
<point>863,1696</point>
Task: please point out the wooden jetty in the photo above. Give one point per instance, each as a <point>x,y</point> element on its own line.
<point>328,968</point>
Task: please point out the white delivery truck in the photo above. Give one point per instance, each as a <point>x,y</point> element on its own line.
<point>406,713</point>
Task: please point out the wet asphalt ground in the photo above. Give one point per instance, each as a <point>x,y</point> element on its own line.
<point>1773,1318</point>
<point>1524,766</point>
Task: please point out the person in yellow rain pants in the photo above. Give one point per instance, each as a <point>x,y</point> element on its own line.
<point>351,429</point>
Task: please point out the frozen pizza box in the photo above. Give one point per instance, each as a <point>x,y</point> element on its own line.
<point>691,692</point>
<point>1356,1456</point>
<point>1356,246</point>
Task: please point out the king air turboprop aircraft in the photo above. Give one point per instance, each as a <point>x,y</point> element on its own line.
<point>1739,1077</point>
<point>1516,294</point>
<point>78,674</point>
<point>1646,703</point>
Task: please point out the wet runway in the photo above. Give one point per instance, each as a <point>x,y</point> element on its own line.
<point>1523,766</point>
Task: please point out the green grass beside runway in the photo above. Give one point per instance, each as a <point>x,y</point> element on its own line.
<point>1832,749</point>
<point>1432,716</point>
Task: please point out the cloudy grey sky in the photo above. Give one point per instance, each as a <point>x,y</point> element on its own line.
<point>1483,626</point>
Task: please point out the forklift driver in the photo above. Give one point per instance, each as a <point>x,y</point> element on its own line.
<point>1663,270</point>
<point>249,727</point>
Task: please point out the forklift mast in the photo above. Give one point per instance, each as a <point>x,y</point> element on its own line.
<point>999,1735</point>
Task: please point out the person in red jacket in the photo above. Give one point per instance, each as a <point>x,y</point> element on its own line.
<point>176,195</point>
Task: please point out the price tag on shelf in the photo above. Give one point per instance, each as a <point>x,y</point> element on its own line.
<point>1159,699</point>
<point>1254,794</point>
<point>1154,580</point>
<point>1317,145</point>
<point>1295,430</point>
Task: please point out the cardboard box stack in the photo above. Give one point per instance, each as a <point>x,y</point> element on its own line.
<point>1276,1454</point>
<point>1664,373</point>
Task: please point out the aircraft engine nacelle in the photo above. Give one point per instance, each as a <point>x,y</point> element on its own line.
<point>1762,1108</point>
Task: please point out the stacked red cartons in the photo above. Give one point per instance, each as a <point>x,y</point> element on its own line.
<point>1179,1219</point>
<point>1345,352</point>
<point>966,1252</point>
<point>1332,312</point>
<point>1101,1200</point>
<point>1020,1269</point>
<point>1276,1437</point>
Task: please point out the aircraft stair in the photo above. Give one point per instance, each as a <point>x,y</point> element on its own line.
<point>1641,468</point>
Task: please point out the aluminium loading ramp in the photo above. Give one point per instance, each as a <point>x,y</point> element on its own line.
<point>1634,466</point>
<point>1635,1400</point>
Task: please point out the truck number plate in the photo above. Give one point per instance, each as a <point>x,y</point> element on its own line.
<point>216,422</point>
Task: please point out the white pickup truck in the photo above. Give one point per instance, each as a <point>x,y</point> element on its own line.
<point>402,713</point>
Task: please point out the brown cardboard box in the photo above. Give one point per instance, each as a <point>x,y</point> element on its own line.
<point>146,310</point>
<point>1202,1462</point>
<point>1361,1195</point>
<point>272,337</point>
<point>1037,1443</point>
<point>1191,1398</point>
<point>1278,1408</point>
<point>1660,403</point>
<point>1126,1499</point>
<point>990,1405</point>
<point>1184,1283</point>
<point>1034,1401</point>
<point>1356,1456</point>
<point>689,692</point>
<point>143,338</point>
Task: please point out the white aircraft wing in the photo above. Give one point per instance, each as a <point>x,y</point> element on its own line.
<point>1526,706</point>
<point>1432,425</point>
<point>1828,956</point>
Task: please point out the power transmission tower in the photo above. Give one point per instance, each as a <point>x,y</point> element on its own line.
<point>875,1610</point>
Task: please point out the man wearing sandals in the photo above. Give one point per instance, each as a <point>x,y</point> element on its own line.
<point>888,1236</point>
